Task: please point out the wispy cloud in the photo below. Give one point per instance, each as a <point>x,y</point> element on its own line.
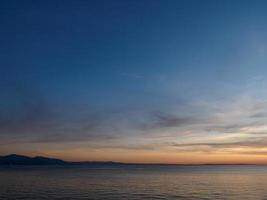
<point>216,126</point>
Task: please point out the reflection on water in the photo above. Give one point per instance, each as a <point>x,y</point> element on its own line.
<point>134,183</point>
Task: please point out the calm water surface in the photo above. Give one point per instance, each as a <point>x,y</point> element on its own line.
<point>134,183</point>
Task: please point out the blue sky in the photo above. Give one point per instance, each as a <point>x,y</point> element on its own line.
<point>144,75</point>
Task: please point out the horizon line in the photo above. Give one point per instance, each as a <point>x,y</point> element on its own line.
<point>130,163</point>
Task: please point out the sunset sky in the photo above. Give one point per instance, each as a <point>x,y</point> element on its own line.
<point>147,81</point>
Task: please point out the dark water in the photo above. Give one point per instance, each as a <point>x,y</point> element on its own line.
<point>134,183</point>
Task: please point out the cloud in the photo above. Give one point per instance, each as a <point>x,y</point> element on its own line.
<point>258,143</point>
<point>27,116</point>
<point>168,120</point>
<point>259,115</point>
<point>22,108</point>
<point>165,120</point>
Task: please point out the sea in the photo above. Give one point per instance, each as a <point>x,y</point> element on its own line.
<point>137,182</point>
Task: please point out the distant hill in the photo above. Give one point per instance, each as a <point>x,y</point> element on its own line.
<point>14,159</point>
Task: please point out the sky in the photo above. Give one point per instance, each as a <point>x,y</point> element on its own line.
<point>151,81</point>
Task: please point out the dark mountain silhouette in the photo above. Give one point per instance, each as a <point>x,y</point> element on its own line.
<point>15,159</point>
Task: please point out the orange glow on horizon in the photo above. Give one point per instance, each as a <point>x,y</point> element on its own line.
<point>141,156</point>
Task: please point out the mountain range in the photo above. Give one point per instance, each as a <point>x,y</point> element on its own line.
<point>14,159</point>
